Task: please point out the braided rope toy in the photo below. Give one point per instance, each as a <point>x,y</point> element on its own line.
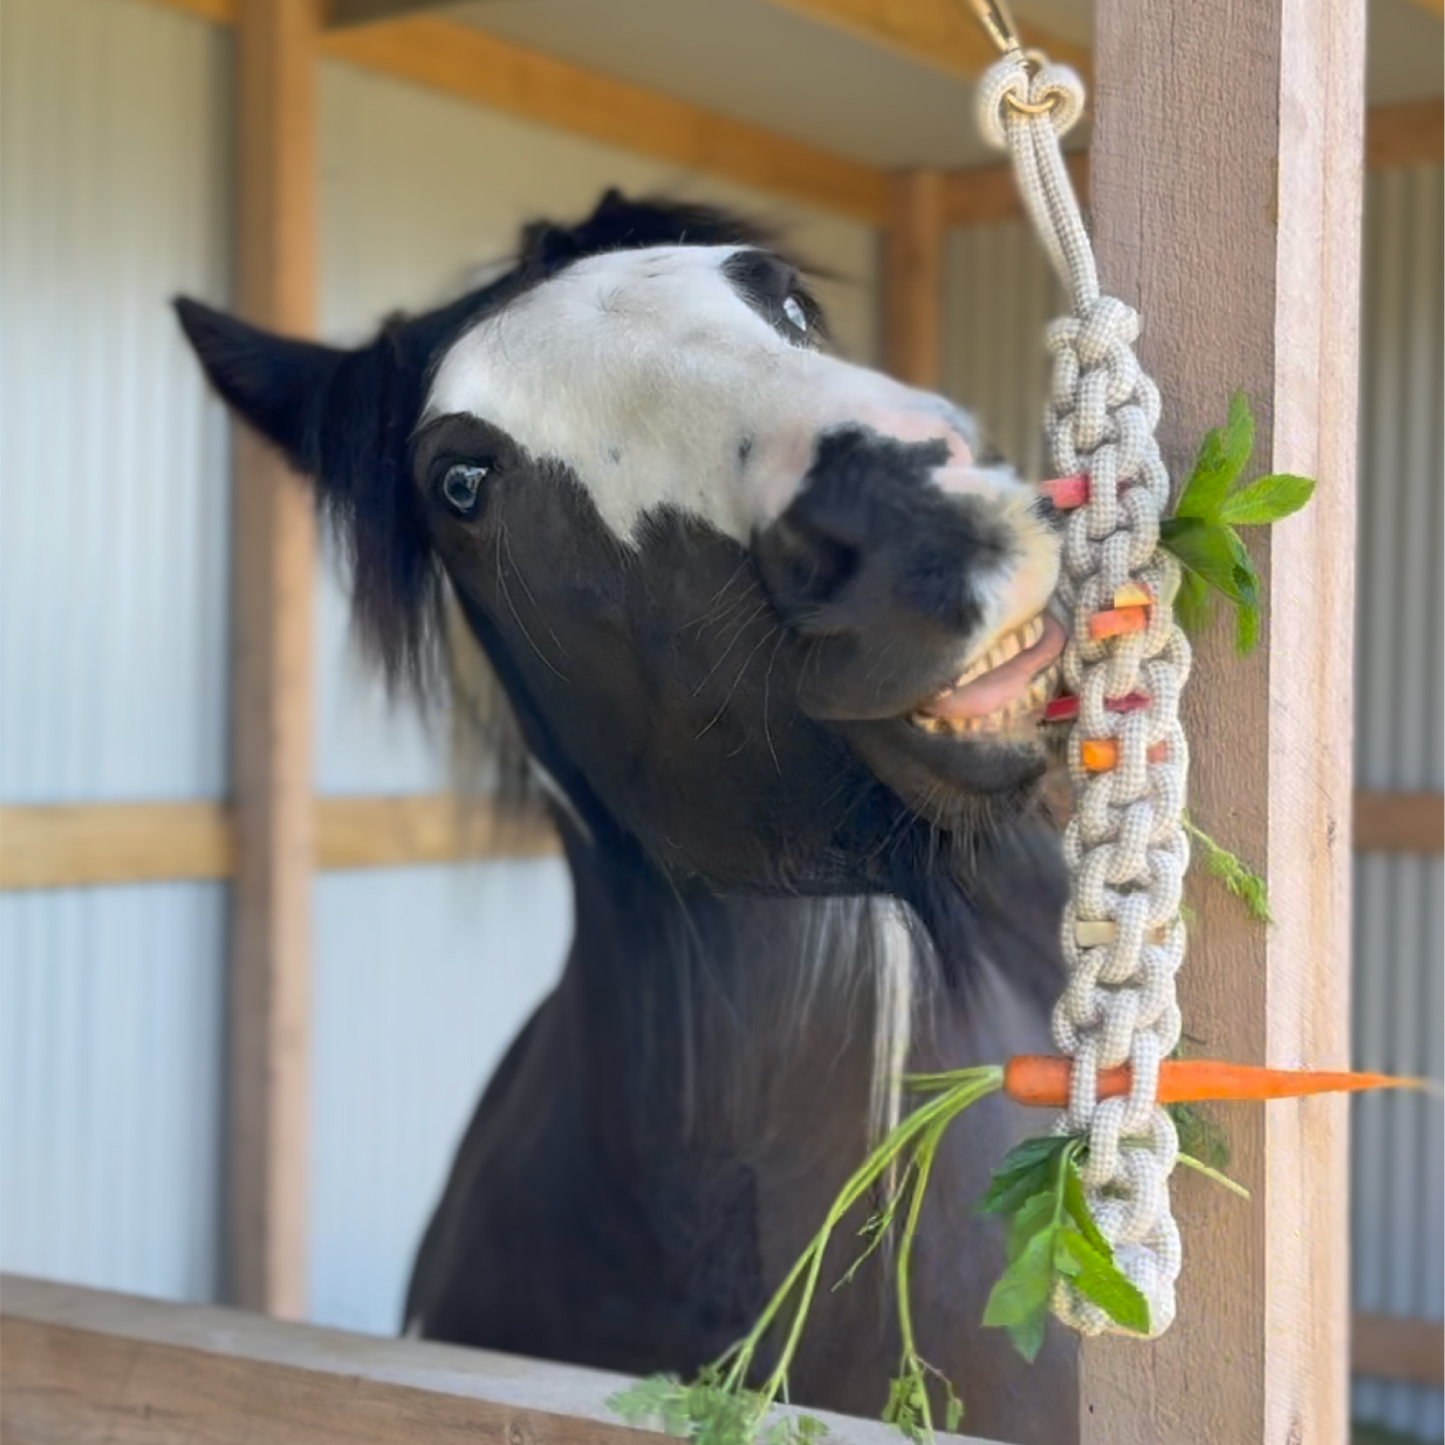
<point>1125,846</point>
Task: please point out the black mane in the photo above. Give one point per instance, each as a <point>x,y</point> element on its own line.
<point>355,440</point>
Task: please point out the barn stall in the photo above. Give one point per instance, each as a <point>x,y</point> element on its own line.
<point>185,886</point>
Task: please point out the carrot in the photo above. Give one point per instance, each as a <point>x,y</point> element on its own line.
<point>1117,621</point>
<point>1101,755</point>
<point>1066,492</point>
<point>1043,1079</point>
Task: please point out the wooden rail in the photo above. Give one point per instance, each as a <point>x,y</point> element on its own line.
<point>99,843</point>
<point>88,1365</point>
<point>1386,1347</point>
<point>87,844</point>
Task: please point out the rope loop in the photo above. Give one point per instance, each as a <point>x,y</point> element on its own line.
<point>1125,845</point>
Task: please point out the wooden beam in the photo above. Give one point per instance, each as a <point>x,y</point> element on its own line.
<point>86,844</point>
<point>475,66</point>
<point>1399,822</point>
<point>340,13</point>
<point>1395,135</point>
<point>1226,208</point>
<point>1434,7</point>
<point>274,582</point>
<point>88,1365</point>
<point>1386,1347</point>
<point>941,34</point>
<point>1405,135</point>
<point>913,279</point>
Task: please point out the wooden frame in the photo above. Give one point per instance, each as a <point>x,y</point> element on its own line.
<point>85,1364</point>
<point>1385,1347</point>
<point>1247,275</point>
<point>274,586</point>
<point>913,279</point>
<point>466,62</point>
<point>77,846</point>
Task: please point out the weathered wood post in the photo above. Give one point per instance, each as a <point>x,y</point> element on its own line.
<point>913,242</point>
<point>1226,180</point>
<point>273,562</point>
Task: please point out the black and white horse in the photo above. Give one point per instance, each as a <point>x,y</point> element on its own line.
<point>773,627</point>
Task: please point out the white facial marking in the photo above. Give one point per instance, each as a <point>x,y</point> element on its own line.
<point>657,383</point>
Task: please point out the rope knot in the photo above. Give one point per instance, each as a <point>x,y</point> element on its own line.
<point>1022,86</point>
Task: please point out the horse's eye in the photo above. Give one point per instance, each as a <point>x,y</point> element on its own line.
<point>793,310</point>
<point>462,486</point>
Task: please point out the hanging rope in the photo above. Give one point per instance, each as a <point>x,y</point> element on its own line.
<point>1125,845</point>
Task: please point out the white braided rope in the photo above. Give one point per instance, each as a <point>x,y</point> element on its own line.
<point>1125,845</point>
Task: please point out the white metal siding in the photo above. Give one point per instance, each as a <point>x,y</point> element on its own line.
<point>999,294</point>
<point>113,502</point>
<point>1399,1175</point>
<point>423,978</point>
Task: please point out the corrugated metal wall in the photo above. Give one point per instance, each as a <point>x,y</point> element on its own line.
<point>423,975</point>
<point>1399,1165</point>
<point>999,294</point>
<point>113,509</point>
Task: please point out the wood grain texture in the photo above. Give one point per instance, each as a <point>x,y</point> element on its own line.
<point>274,581</point>
<point>1405,135</point>
<point>913,279</point>
<point>366,12</point>
<point>1389,1348</point>
<point>475,66</point>
<point>941,34</point>
<point>84,844</point>
<point>439,828</point>
<point>87,844</point>
<point>84,1365</point>
<point>1399,822</point>
<point>1226,207</point>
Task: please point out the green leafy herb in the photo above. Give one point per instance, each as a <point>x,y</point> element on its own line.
<point>1237,876</point>
<point>1052,1236</point>
<point>1223,454</point>
<point>1201,533</point>
<point>722,1406</point>
<point>1200,1136</point>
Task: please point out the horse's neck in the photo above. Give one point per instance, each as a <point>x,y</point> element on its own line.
<point>739,1024</point>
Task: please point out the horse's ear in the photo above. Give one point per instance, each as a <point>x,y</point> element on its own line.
<point>274,383</point>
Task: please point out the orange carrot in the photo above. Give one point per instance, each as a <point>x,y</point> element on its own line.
<point>1101,755</point>
<point>1043,1079</point>
<point>1117,621</point>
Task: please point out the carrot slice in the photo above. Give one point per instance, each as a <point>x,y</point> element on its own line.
<point>1101,755</point>
<point>1043,1079</point>
<point>1117,622</point>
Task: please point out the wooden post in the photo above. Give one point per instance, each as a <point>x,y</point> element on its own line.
<point>273,590</point>
<point>1226,179</point>
<point>913,279</point>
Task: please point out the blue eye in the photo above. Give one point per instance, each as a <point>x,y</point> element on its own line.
<point>797,317</point>
<point>462,486</point>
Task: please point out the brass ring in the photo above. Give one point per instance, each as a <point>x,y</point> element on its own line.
<point>1032,107</point>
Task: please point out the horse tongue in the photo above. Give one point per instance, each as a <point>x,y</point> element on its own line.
<point>1001,685</point>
